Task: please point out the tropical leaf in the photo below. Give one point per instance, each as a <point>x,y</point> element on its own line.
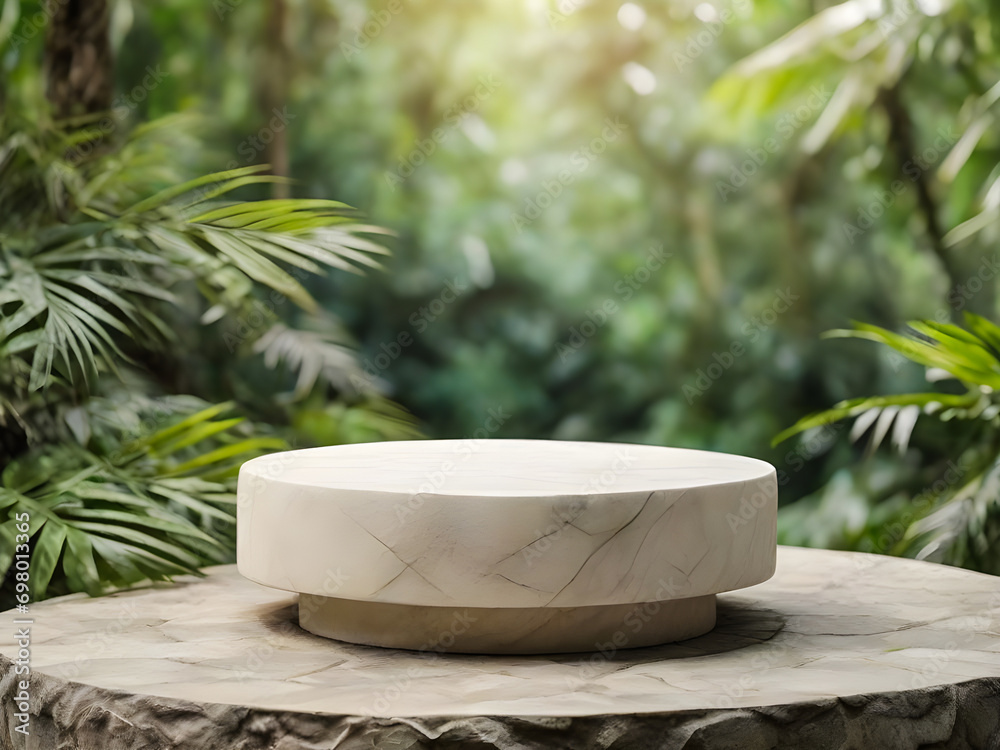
<point>128,514</point>
<point>961,523</point>
<point>312,354</point>
<point>101,255</point>
<point>927,403</point>
<point>75,292</point>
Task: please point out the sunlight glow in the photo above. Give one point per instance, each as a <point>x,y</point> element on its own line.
<point>640,78</point>
<point>513,171</point>
<point>931,7</point>
<point>631,16</point>
<point>706,13</point>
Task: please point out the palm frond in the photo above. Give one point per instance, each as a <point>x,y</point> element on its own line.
<point>372,419</point>
<point>73,293</point>
<point>146,508</point>
<point>958,523</point>
<point>947,351</point>
<point>101,252</point>
<point>313,355</point>
<point>963,528</point>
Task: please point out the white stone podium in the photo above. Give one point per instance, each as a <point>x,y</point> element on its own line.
<point>506,546</point>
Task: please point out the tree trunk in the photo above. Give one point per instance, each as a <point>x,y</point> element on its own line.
<point>273,92</point>
<point>79,66</point>
<point>903,140</point>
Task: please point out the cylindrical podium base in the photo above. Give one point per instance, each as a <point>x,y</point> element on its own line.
<point>480,630</point>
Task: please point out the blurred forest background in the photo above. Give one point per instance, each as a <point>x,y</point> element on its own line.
<point>615,222</point>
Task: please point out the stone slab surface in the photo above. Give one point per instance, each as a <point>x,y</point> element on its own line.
<point>837,650</point>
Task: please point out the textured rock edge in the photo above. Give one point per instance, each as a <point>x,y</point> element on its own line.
<point>72,716</point>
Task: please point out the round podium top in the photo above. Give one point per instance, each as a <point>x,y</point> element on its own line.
<point>505,468</point>
<point>506,523</point>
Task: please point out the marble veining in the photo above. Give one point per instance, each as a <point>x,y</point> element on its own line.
<point>506,523</point>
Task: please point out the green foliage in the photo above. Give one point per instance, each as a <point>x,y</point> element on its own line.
<point>109,266</point>
<point>373,419</point>
<point>442,128</point>
<point>957,518</point>
<point>912,96</point>
<point>948,352</point>
<point>123,509</point>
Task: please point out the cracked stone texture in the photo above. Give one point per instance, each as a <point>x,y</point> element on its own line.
<point>838,650</point>
<point>506,524</point>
